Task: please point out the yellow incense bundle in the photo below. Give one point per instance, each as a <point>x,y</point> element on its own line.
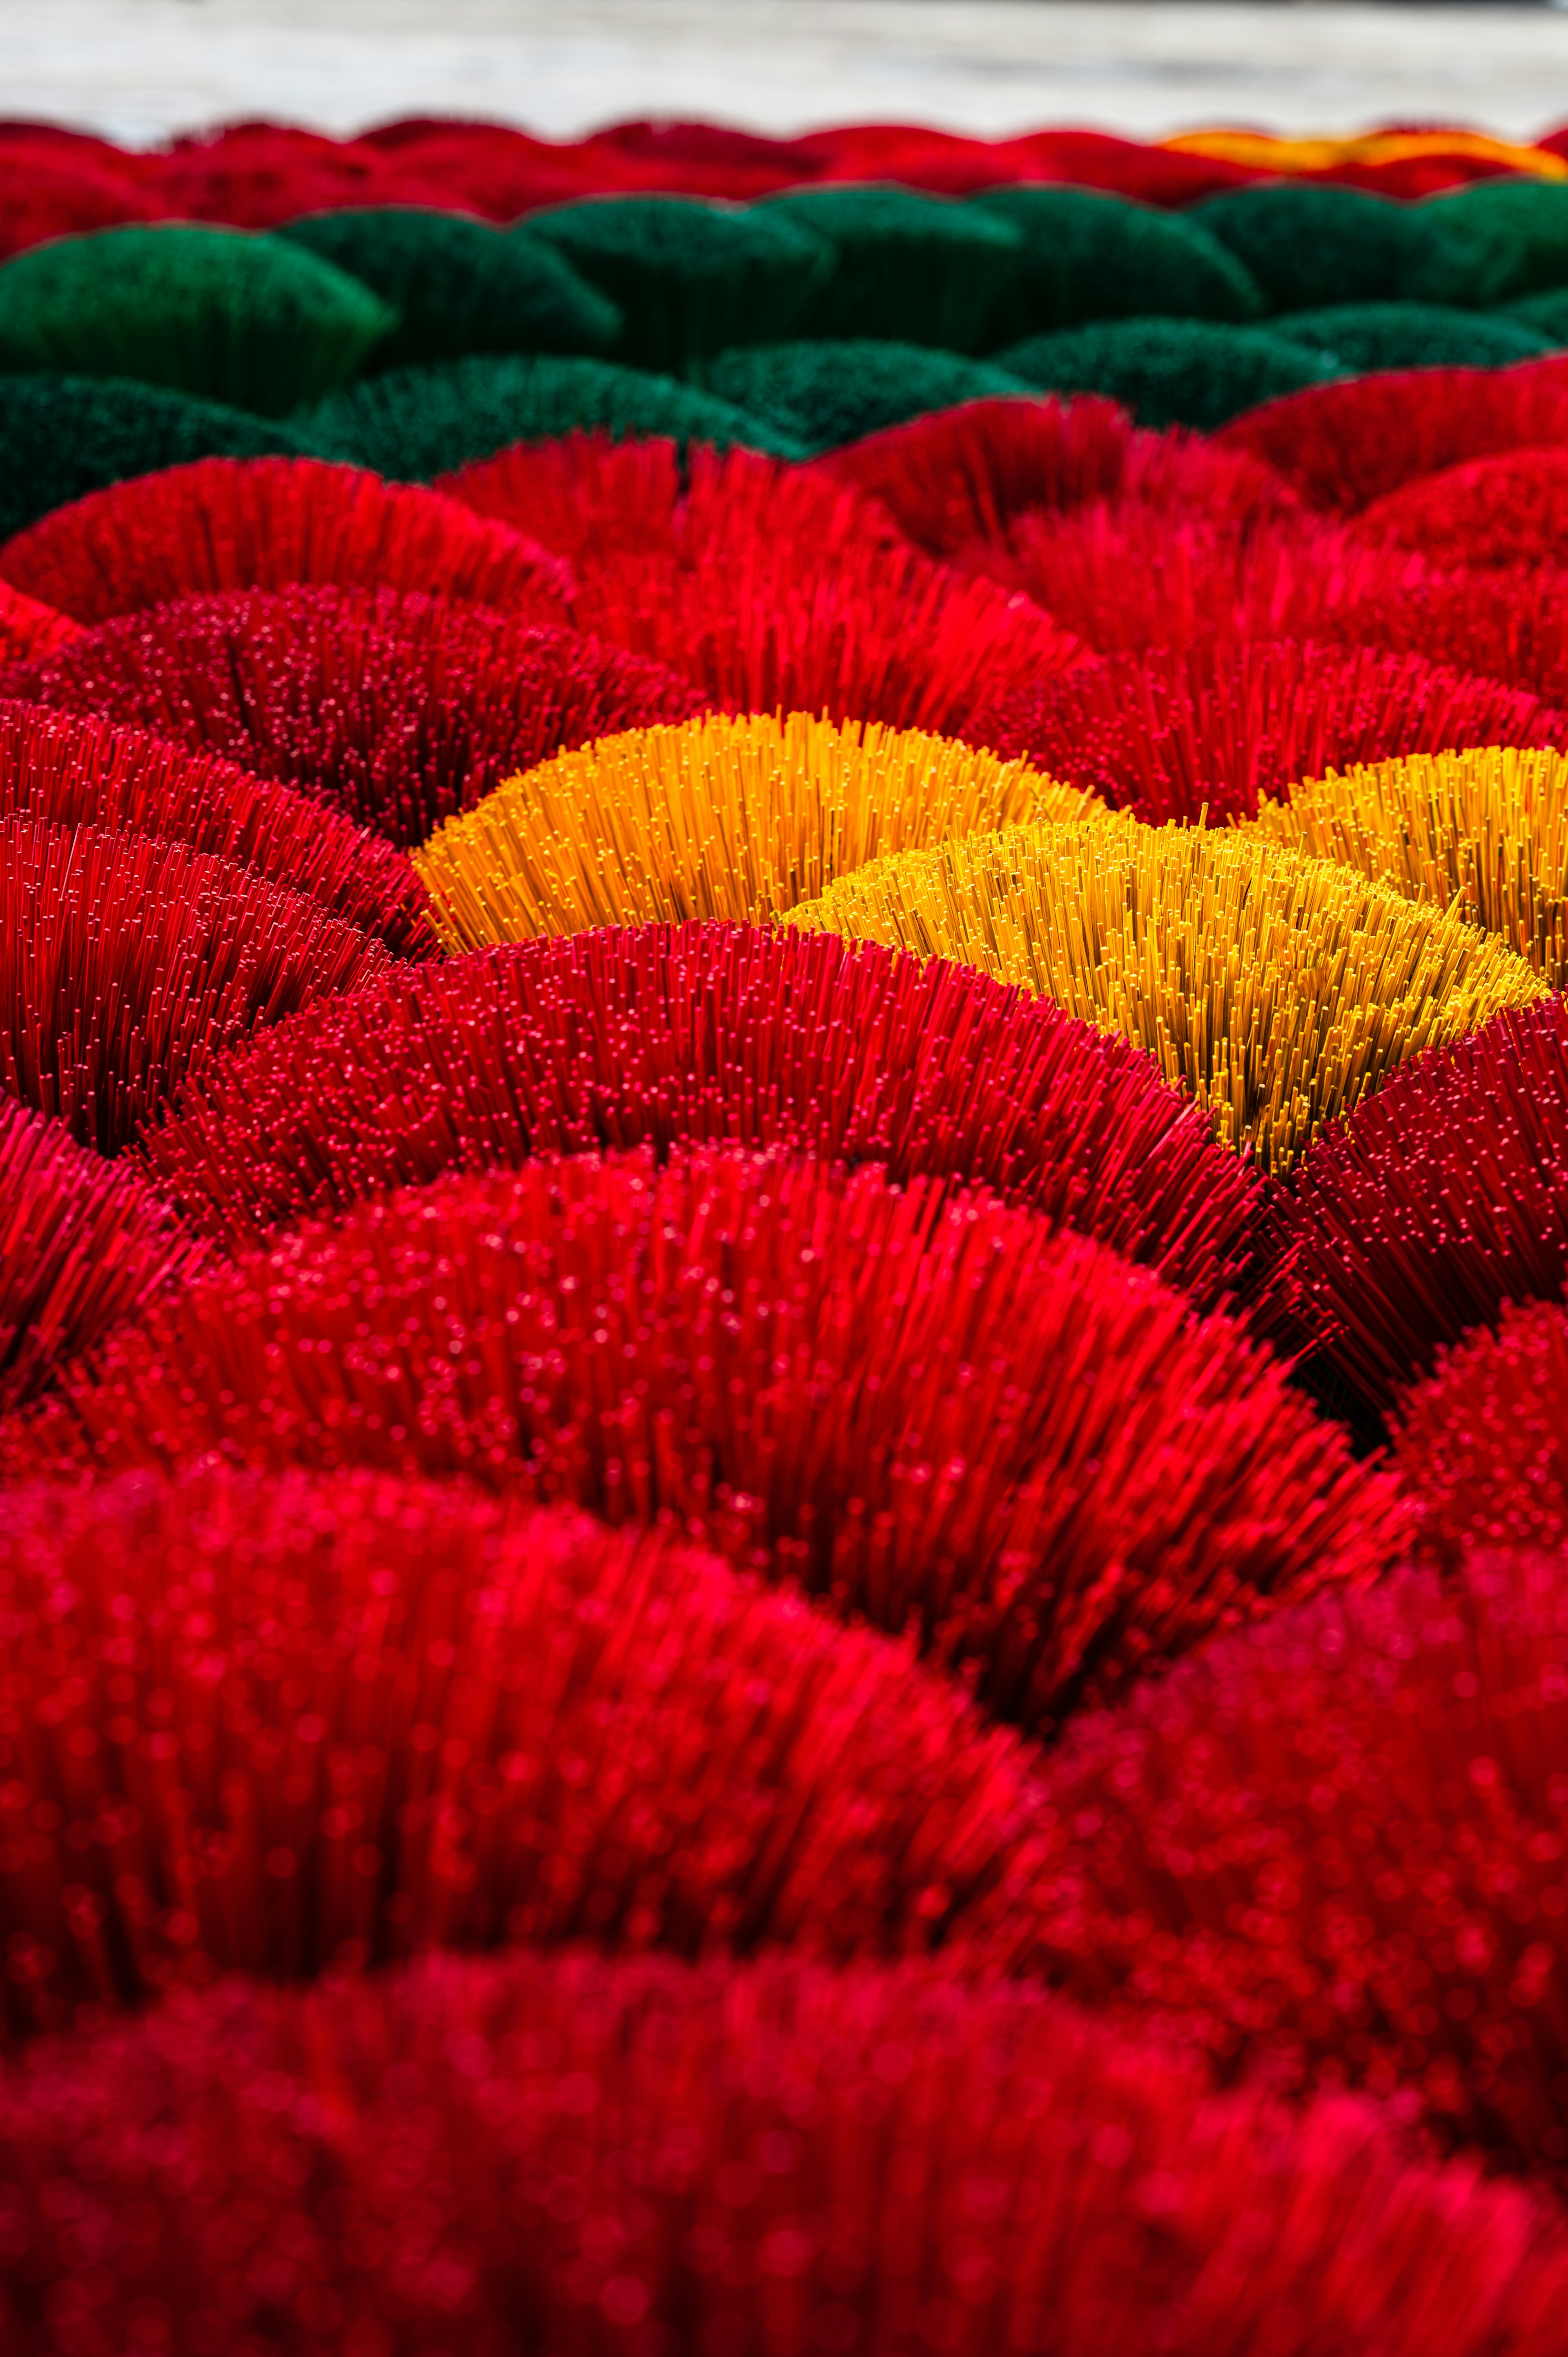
<point>1278,988</point>
<point>719,817</point>
<point>1484,832</point>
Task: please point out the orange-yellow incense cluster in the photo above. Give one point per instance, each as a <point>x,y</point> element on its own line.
<point>719,817</point>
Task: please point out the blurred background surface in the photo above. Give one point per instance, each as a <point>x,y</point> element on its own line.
<point>138,69</point>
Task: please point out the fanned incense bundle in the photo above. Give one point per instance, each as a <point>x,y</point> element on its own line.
<point>938,1411</point>
<point>226,523</point>
<point>738,818</point>
<point>1169,732</point>
<point>1482,831</point>
<point>1513,235</point>
<point>957,476</point>
<point>82,1243</point>
<point>79,771</point>
<point>1507,510</point>
<point>243,320</point>
<point>460,285</point>
<point>1131,573</point>
<point>704,1034</point>
<point>1306,246</point>
<point>956,480</point>
<point>29,630</point>
<point>397,709</point>
<point>1278,988</point>
<point>601,2155</point>
<point>49,192</point>
<point>769,587</point>
<point>420,423</point>
<point>1171,372</point>
<point>915,268</point>
<point>422,1722</point>
<point>824,394</point>
<point>1088,255</point>
<point>62,438</point>
<point>1436,1202</point>
<point>592,497</point>
<point>690,278</point>
<point>1507,621</point>
<point>125,962</point>
<point>1330,1847</point>
<point>1415,335</point>
<point>1482,1445</point>
<point>1344,446</point>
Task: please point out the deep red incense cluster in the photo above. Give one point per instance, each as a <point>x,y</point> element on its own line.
<point>76,771</point>
<point>125,962</point>
<point>594,2156</point>
<point>711,1642</point>
<point>294,1727</point>
<point>1333,1845</point>
<point>1432,1205</point>
<point>1170,732</point>
<point>83,1243</point>
<point>397,708</point>
<point>1483,1443</point>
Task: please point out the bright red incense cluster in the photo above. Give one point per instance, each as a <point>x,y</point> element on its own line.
<point>708,1033</point>
<point>82,1243</point>
<point>77,771</point>
<point>292,1726</point>
<point>1437,1201</point>
<point>1482,1445</point>
<point>1344,445</point>
<point>771,588</point>
<point>259,523</point>
<point>661,1590</point>
<point>916,1401</point>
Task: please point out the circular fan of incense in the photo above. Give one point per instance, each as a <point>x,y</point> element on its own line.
<point>1344,446</point>
<point>738,818</point>
<point>769,587</point>
<point>1508,509</point>
<point>1377,1780</point>
<point>125,962</point>
<point>704,1034</point>
<point>1277,987</point>
<point>79,771</point>
<point>388,1764</point>
<point>1171,732</point>
<point>398,709</point>
<point>1482,831</point>
<point>579,2152</point>
<point>1431,1206</point>
<point>927,1406</point>
<point>82,1243</point>
<point>1482,1445</point>
<point>261,524</point>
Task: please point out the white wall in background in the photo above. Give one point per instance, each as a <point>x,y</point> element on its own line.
<point>141,68</point>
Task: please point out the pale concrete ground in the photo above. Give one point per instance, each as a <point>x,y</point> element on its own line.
<point>139,70</point>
